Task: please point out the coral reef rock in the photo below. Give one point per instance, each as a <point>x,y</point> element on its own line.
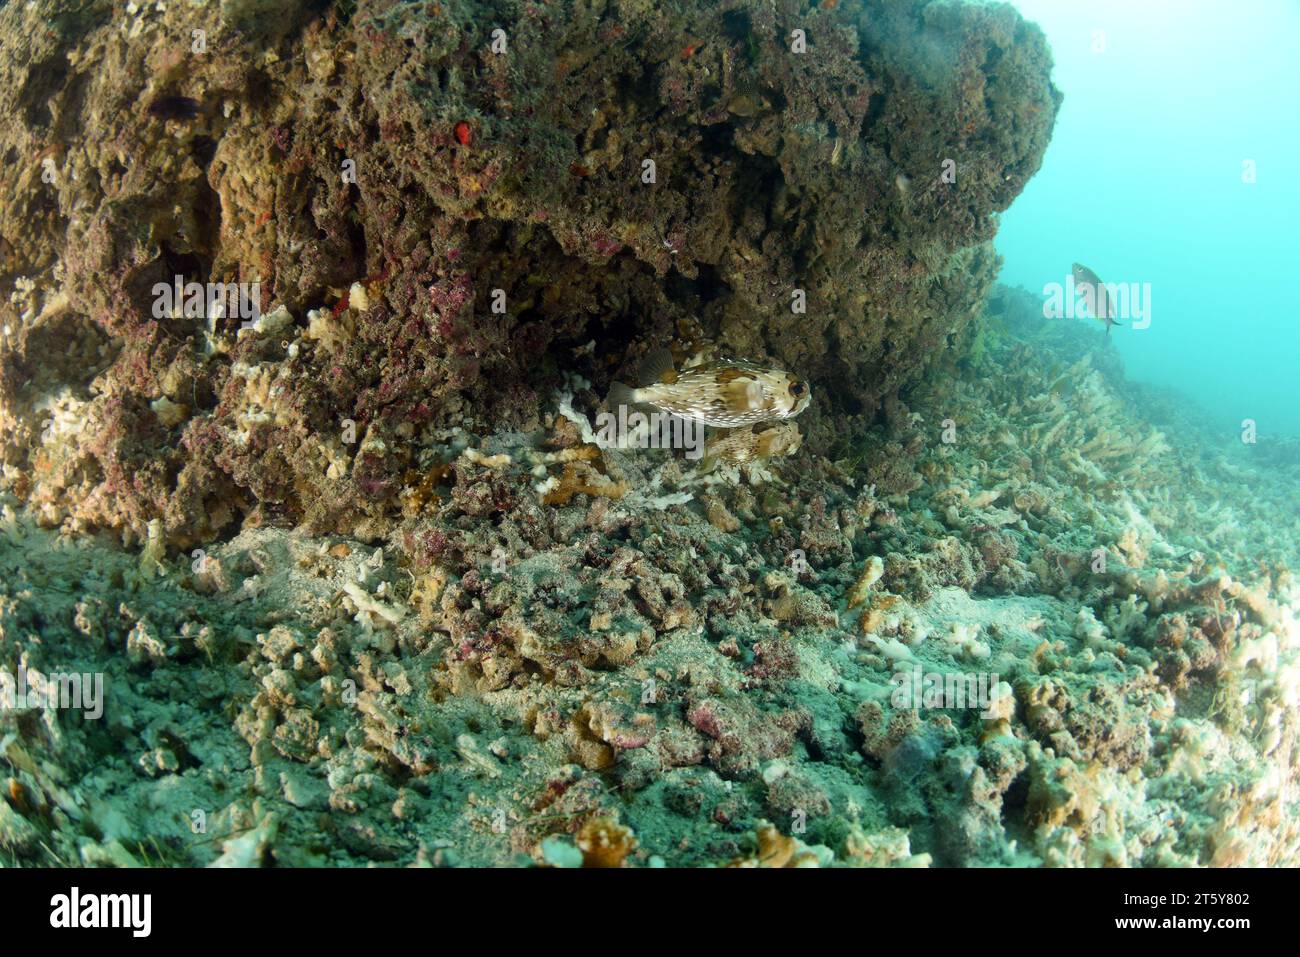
<point>447,207</point>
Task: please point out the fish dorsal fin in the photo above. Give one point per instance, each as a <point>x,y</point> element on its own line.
<point>657,367</point>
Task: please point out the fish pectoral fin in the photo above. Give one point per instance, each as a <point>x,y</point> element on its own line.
<point>743,394</point>
<point>657,367</point>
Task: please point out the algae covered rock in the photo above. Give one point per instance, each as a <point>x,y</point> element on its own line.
<point>442,209</point>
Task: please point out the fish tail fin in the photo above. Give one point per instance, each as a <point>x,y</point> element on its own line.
<point>621,394</point>
<point>656,367</point>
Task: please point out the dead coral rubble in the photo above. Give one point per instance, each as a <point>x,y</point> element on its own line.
<point>391,603</point>
<point>605,683</point>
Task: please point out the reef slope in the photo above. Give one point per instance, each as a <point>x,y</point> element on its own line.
<point>662,669</point>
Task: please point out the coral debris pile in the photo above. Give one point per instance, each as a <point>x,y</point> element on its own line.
<point>651,668</point>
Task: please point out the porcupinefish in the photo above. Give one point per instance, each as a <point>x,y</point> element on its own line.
<point>1094,291</point>
<point>725,394</point>
<point>743,446</point>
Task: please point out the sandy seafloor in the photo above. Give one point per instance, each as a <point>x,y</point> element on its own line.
<point>674,669</point>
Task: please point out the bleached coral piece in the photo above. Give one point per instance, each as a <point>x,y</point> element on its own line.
<point>965,639</point>
<point>369,608</point>
<point>1088,629</point>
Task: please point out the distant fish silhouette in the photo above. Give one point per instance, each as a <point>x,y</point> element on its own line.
<point>1095,291</point>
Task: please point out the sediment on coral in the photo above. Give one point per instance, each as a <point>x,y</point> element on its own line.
<point>364,586</point>
<point>691,673</point>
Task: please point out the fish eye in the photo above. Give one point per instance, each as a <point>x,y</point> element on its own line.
<point>796,389</point>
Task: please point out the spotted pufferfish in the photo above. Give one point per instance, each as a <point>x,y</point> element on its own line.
<point>726,394</point>
<point>747,447</point>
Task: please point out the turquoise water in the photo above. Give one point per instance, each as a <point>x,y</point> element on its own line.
<point>1144,183</point>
